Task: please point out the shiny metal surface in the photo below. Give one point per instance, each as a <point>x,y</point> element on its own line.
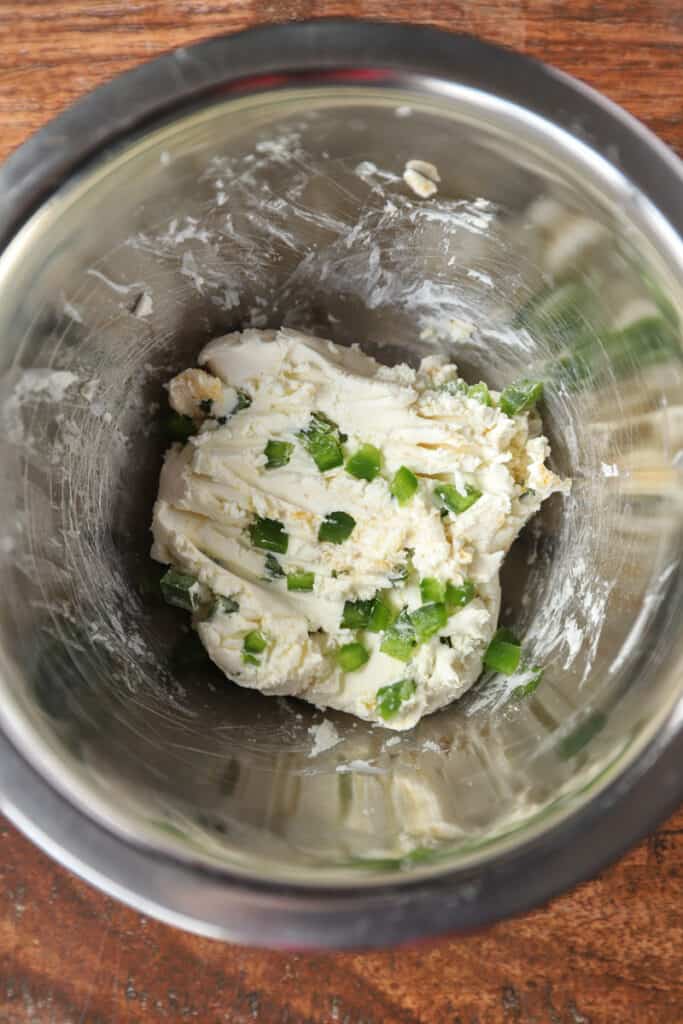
<point>209,197</point>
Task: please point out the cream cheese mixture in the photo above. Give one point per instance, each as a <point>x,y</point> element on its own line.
<point>337,527</point>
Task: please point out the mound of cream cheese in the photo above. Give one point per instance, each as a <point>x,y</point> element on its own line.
<point>337,527</point>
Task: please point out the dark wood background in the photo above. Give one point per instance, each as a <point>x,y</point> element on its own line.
<point>608,952</point>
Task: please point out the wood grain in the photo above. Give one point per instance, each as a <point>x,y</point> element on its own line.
<point>608,952</point>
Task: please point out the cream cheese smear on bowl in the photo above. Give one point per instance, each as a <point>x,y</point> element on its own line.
<point>336,527</point>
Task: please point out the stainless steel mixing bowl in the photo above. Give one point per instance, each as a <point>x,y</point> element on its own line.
<point>256,180</point>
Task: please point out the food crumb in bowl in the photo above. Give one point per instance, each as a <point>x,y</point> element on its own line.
<point>431,745</point>
<point>422,178</point>
<point>143,305</point>
<point>90,388</point>
<point>73,313</point>
<point>324,736</point>
<point>359,767</point>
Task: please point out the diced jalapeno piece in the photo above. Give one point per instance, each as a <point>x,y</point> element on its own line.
<point>300,581</point>
<point>399,639</point>
<point>180,589</point>
<point>178,427</point>
<point>432,589</point>
<point>390,698</point>
<point>243,401</point>
<point>481,392</point>
<point>356,614</point>
<point>404,485</point>
<point>323,442</point>
<point>223,605</point>
<point>372,615</point>
<point>521,397</point>
<point>449,497</point>
<point>254,642</point>
<point>269,534</point>
<point>336,527</point>
<point>380,617</point>
<point>503,653</point>
<point>278,453</point>
<point>250,659</point>
<point>428,620</point>
<point>366,463</point>
<point>273,569</point>
<point>458,597</point>
<point>351,657</point>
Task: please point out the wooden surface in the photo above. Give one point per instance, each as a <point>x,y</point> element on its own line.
<point>609,951</point>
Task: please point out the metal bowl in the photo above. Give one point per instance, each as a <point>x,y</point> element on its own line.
<point>256,179</point>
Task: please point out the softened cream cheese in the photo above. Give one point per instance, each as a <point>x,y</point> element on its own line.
<point>261,387</point>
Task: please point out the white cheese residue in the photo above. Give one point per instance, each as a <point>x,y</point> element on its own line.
<point>324,736</point>
<point>421,178</point>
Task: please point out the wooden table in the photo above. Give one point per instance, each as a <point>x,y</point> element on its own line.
<point>608,952</point>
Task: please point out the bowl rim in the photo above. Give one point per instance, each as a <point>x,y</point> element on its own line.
<point>215,902</point>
